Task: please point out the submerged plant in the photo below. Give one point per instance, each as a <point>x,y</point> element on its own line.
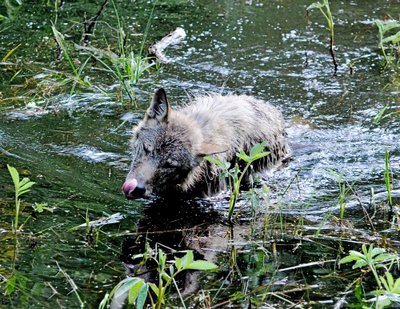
<point>235,175</point>
<point>326,12</point>
<point>138,290</point>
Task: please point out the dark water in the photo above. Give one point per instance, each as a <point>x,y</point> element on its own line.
<point>75,146</point>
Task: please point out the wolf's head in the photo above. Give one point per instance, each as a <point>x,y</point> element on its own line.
<point>166,148</point>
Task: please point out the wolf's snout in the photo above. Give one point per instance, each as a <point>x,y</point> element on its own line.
<point>132,190</point>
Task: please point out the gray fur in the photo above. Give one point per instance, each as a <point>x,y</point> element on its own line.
<point>169,146</point>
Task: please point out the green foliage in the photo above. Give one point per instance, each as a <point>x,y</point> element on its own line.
<point>125,65</point>
<point>326,12</point>
<point>391,288</point>
<point>77,72</point>
<point>388,40</point>
<point>21,187</point>
<point>374,259</point>
<point>17,281</point>
<point>138,289</point>
<point>12,7</point>
<point>41,207</point>
<point>235,175</point>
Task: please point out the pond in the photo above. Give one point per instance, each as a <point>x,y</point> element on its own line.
<point>72,139</point>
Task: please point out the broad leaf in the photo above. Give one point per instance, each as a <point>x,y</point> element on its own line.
<point>154,288</point>
<point>141,299</point>
<point>14,175</point>
<point>201,265</point>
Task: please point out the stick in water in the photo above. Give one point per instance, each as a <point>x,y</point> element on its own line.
<point>172,38</point>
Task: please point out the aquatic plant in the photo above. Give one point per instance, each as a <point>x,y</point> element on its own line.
<point>235,175</point>
<point>388,178</point>
<point>77,72</point>
<point>326,12</point>
<point>12,7</point>
<point>125,65</point>
<point>128,66</point>
<point>21,187</point>
<point>375,259</point>
<point>388,39</point>
<point>344,190</point>
<point>137,289</point>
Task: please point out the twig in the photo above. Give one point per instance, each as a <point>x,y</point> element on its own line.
<point>306,265</point>
<point>89,25</point>
<point>172,38</point>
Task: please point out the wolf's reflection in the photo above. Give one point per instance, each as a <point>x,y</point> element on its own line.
<point>173,226</point>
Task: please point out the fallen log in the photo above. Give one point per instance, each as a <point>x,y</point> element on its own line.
<point>173,38</point>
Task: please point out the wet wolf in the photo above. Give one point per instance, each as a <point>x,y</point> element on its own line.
<point>169,146</point>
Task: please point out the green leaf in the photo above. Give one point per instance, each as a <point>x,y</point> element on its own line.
<point>395,38</point>
<point>377,251</point>
<point>10,52</point>
<point>315,5</point>
<point>221,164</point>
<point>104,302</point>
<point>165,276</point>
<point>359,264</point>
<point>125,285</point>
<point>154,288</point>
<point>187,259</point>
<point>257,149</point>
<point>201,265</point>
<point>40,207</point>
<point>178,263</point>
<point>347,259</point>
<point>260,155</point>
<point>25,187</point>
<point>14,175</point>
<point>384,256</point>
<point>141,298</point>
<point>134,291</point>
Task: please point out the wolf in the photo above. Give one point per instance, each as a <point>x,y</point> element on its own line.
<point>169,146</point>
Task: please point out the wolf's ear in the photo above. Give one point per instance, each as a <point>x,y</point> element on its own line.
<point>159,107</point>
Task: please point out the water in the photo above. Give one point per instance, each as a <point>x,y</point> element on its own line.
<point>76,146</point>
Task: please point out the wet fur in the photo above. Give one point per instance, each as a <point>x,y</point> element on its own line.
<point>169,146</point>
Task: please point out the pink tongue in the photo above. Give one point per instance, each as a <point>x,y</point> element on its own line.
<point>129,186</point>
